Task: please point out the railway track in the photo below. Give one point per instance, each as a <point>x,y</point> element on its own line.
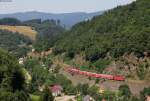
<point>95,75</point>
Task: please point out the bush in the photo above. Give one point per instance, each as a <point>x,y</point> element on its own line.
<point>47,95</point>
<point>101,64</point>
<point>125,91</point>
<point>12,82</point>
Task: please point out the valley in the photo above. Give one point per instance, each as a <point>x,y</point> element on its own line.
<point>103,58</point>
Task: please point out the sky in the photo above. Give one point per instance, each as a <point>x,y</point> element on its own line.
<point>59,6</point>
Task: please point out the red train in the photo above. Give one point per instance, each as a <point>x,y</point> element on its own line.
<point>95,75</point>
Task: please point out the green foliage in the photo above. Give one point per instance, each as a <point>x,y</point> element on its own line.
<point>97,81</point>
<point>14,42</point>
<point>64,82</point>
<point>9,21</point>
<point>144,93</point>
<point>16,96</point>
<point>47,95</point>
<point>125,91</point>
<point>124,29</point>
<point>10,72</point>
<point>83,88</point>
<point>38,73</point>
<point>71,90</point>
<point>93,91</point>
<point>48,32</point>
<point>35,97</point>
<point>12,80</point>
<point>101,64</point>
<point>140,72</point>
<point>114,96</point>
<point>79,98</point>
<point>41,76</point>
<point>32,21</point>
<point>108,95</point>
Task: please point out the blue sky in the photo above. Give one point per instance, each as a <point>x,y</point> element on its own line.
<point>60,6</point>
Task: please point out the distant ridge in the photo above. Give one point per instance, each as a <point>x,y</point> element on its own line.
<point>67,19</point>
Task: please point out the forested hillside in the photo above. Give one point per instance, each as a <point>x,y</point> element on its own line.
<point>14,42</point>
<point>12,79</point>
<point>48,32</point>
<point>113,45</point>
<point>9,21</point>
<point>43,34</point>
<point>124,29</point>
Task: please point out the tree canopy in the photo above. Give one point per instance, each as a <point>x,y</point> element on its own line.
<point>9,21</point>
<point>14,42</point>
<point>124,29</point>
<point>12,80</point>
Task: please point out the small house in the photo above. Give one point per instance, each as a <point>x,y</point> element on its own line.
<point>88,98</point>
<point>21,61</point>
<point>56,90</point>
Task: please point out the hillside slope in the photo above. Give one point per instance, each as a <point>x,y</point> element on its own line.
<point>12,79</point>
<point>14,42</point>
<point>112,37</point>
<point>25,30</point>
<point>123,29</point>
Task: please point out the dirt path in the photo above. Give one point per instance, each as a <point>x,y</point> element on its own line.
<point>77,79</point>
<point>65,98</point>
<point>135,87</point>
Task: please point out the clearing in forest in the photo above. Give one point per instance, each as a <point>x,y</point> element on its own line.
<point>25,30</point>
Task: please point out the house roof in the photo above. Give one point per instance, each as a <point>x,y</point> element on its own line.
<point>56,88</point>
<point>87,98</point>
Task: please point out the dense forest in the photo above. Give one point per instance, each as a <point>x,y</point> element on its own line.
<point>104,39</point>
<point>124,29</point>
<point>10,21</point>
<point>14,42</point>
<point>12,80</point>
<point>48,32</point>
